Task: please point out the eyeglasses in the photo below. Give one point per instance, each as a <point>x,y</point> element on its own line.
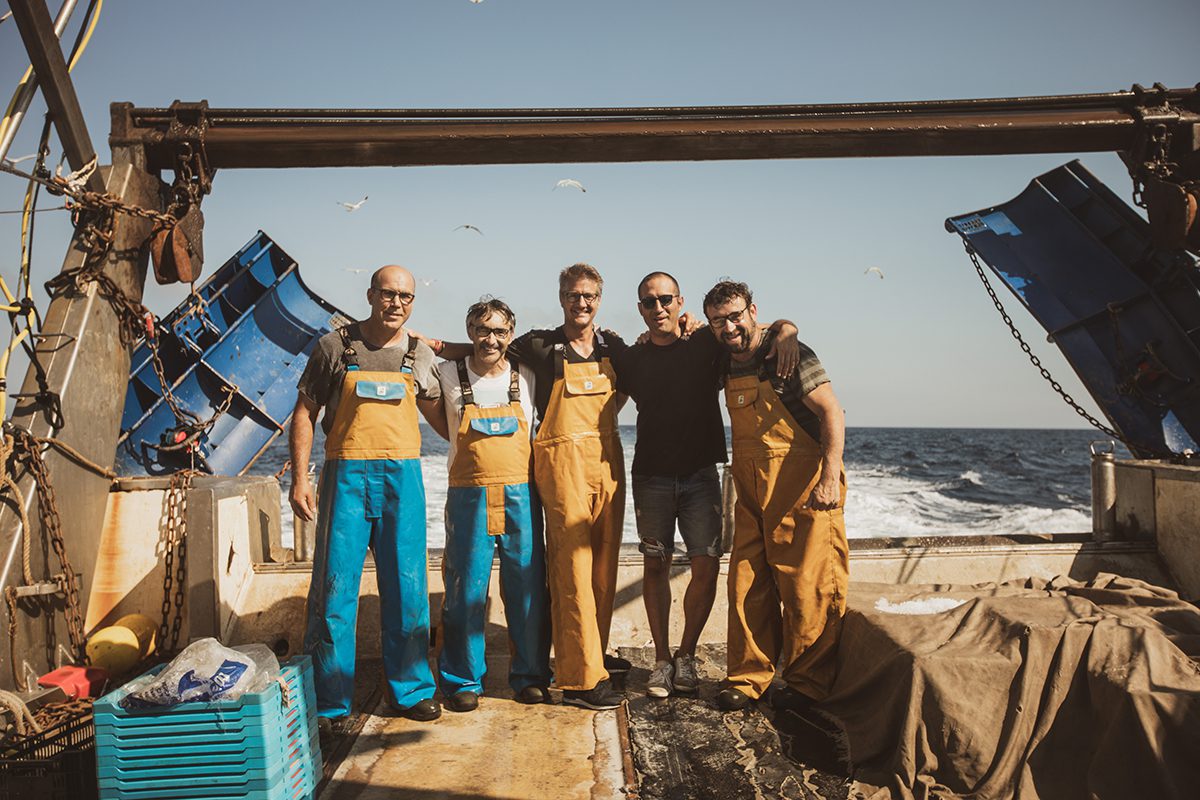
<point>587,297</point>
<point>389,296</point>
<point>653,300</point>
<point>500,333</point>
<point>735,317</point>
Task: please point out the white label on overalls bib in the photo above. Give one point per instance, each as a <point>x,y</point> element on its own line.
<point>741,399</point>
<point>587,384</point>
<point>495,426</point>
<point>381,391</point>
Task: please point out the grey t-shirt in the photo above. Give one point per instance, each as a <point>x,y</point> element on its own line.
<point>322,378</point>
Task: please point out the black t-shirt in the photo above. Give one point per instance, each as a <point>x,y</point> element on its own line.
<point>675,386</point>
<point>535,350</point>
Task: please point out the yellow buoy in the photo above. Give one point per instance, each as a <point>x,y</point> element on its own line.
<point>122,645</point>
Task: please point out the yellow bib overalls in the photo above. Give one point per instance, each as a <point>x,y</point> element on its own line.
<point>580,473</point>
<point>789,568</point>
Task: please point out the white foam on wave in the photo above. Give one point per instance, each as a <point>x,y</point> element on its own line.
<point>879,502</point>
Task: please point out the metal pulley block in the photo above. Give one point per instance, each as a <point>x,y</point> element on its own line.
<point>1172,208</point>
<point>177,252</point>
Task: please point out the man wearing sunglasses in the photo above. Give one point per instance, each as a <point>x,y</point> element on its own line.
<point>371,378</point>
<point>680,439</point>
<point>789,569</point>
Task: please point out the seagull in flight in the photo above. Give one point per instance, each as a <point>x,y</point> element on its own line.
<point>470,228</point>
<point>876,270</point>
<point>354,270</point>
<point>353,206</point>
<point>474,2</point>
<point>569,183</point>
<point>427,281</point>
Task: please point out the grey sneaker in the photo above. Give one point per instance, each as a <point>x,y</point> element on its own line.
<point>686,680</point>
<point>659,684</point>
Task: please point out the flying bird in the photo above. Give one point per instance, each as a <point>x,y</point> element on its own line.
<point>470,228</point>
<point>473,2</point>
<point>353,206</point>
<point>569,183</point>
<point>876,270</point>
<point>355,271</point>
<point>427,281</point>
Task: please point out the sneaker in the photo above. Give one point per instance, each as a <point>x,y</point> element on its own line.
<point>463,701</point>
<point>659,684</point>
<point>732,700</point>
<point>532,695</point>
<point>599,698</point>
<point>617,664</point>
<point>686,680</point>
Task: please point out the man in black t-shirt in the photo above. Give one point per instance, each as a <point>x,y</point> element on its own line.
<point>680,439</point>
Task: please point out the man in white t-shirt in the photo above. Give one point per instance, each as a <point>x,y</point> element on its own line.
<point>490,506</point>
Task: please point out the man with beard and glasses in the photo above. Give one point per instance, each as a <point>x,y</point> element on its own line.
<point>789,569</point>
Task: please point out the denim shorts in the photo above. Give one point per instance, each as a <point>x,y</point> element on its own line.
<point>694,501</point>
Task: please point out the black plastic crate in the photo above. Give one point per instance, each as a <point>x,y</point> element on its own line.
<point>57,764</point>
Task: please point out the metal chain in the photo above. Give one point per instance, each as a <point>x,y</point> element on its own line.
<point>48,513</point>
<point>1012,328</point>
<point>174,562</point>
<point>59,185</point>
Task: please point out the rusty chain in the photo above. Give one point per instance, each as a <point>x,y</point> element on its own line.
<point>1016,334</point>
<point>28,447</point>
<point>175,562</point>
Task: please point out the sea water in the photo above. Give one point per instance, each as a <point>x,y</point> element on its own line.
<point>902,481</point>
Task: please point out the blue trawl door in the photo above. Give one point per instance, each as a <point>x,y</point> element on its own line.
<point>236,352</point>
<point>1126,316</point>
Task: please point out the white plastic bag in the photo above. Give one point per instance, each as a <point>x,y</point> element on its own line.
<point>206,671</point>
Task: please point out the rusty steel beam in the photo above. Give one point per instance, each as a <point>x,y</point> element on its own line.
<point>45,53</point>
<point>257,138</point>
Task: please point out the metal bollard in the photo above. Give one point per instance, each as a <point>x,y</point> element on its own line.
<point>1104,491</point>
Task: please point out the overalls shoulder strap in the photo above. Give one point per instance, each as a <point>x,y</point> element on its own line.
<point>560,358</point>
<point>514,385</point>
<point>349,354</point>
<point>410,357</point>
<point>464,384</point>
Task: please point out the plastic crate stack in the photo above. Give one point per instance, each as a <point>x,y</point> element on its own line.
<point>262,746</point>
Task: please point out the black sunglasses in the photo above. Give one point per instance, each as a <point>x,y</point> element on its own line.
<point>653,300</point>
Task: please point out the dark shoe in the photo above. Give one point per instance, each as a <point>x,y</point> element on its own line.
<point>422,711</point>
<point>599,698</point>
<point>532,695</point>
<point>335,726</point>
<point>463,701</point>
<point>732,700</point>
<point>617,664</point>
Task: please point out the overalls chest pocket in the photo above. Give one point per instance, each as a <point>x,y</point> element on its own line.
<point>385,391</point>
<point>587,384</point>
<point>495,426</point>
<point>740,397</point>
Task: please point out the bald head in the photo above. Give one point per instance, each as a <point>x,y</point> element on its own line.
<point>393,276</point>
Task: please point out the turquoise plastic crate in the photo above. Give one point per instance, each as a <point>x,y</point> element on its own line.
<point>253,748</point>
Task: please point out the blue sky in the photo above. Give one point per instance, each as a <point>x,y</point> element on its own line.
<point>923,347</point>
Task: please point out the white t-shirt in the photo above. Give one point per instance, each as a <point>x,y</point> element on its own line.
<point>487,391</point>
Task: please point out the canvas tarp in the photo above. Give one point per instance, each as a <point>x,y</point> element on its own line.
<point>1054,690</point>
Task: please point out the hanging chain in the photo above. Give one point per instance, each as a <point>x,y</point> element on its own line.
<point>1012,328</point>
<point>174,562</point>
<point>29,447</point>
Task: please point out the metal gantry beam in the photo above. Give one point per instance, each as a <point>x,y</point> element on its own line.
<point>267,138</point>
<point>45,53</point>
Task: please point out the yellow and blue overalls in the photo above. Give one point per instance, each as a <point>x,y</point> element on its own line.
<point>490,507</point>
<point>789,568</point>
<point>580,473</point>
<point>371,495</point>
